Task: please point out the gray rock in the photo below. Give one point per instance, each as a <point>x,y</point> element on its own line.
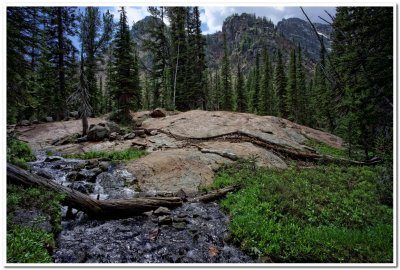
<point>140,132</point>
<point>164,220</point>
<point>49,119</point>
<point>83,187</point>
<point>98,132</point>
<point>161,211</point>
<point>113,136</point>
<point>103,165</point>
<point>96,170</point>
<point>25,123</point>
<point>86,175</point>
<point>52,159</point>
<point>32,218</point>
<point>129,136</point>
<point>74,114</point>
<point>82,139</point>
<point>71,176</point>
<point>153,132</point>
<point>35,121</point>
<point>113,127</point>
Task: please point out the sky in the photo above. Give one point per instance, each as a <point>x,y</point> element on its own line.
<point>212,18</point>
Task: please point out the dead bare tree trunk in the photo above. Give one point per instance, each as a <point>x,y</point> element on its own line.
<point>108,209</point>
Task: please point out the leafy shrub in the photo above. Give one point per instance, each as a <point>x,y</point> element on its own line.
<point>324,214</point>
<point>27,245</point>
<point>127,154</point>
<point>18,153</point>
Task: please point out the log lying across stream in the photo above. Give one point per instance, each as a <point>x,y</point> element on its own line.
<point>108,209</point>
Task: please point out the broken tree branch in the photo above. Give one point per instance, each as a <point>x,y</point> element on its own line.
<point>107,209</point>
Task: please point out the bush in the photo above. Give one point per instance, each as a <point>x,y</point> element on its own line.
<point>324,214</point>
<point>27,245</point>
<point>18,153</point>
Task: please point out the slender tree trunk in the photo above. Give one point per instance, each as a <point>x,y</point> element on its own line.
<point>61,71</point>
<point>85,125</point>
<point>176,72</point>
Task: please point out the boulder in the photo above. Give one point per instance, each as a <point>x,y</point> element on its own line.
<point>35,121</point>
<point>98,132</point>
<point>113,136</point>
<point>52,159</point>
<point>49,119</point>
<point>83,187</point>
<point>25,123</point>
<point>113,127</point>
<point>164,220</point>
<point>158,113</point>
<point>103,165</point>
<point>86,175</point>
<point>74,114</point>
<point>140,132</point>
<point>82,139</point>
<point>162,211</point>
<point>129,136</point>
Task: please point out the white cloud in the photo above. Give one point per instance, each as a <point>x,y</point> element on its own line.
<point>214,17</point>
<point>133,14</point>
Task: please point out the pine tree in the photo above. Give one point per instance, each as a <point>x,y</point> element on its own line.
<point>226,84</point>
<point>61,26</point>
<point>195,59</point>
<point>95,34</point>
<point>177,17</point>
<point>241,101</point>
<point>280,86</point>
<point>267,97</point>
<point>291,92</point>
<point>158,45</point>
<point>302,100</point>
<point>362,54</point>
<point>255,91</point>
<point>126,91</point>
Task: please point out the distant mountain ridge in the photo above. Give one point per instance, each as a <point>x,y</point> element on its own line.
<point>248,34</point>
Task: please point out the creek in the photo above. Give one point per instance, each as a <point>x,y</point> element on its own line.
<point>192,233</point>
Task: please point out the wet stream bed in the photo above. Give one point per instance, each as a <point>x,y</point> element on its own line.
<point>192,233</point>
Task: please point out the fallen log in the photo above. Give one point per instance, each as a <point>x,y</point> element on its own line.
<point>107,209</point>
<point>215,195</point>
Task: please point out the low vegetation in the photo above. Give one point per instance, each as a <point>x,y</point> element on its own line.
<point>19,153</point>
<point>29,244</point>
<point>127,154</point>
<point>322,214</point>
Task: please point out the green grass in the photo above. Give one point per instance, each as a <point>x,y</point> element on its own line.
<point>127,154</point>
<point>28,244</point>
<point>19,153</point>
<point>325,149</point>
<point>326,214</point>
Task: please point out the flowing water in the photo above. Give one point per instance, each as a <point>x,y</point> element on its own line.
<point>192,233</point>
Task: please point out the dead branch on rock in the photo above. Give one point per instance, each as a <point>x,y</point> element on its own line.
<point>215,195</point>
<point>108,209</point>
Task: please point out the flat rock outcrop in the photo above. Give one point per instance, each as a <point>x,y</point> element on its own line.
<point>186,149</point>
